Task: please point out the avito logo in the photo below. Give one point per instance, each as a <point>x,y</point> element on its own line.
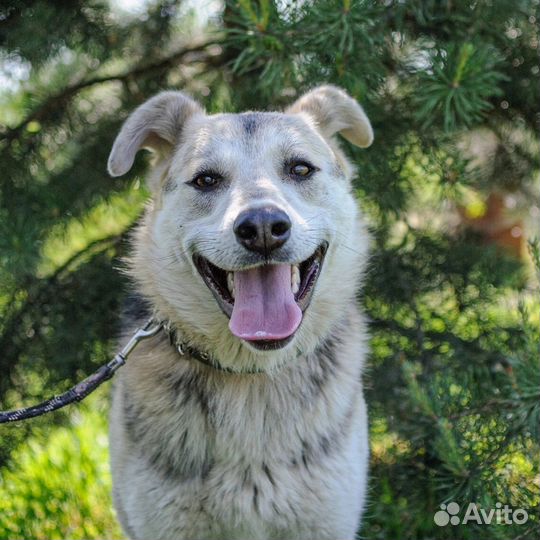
<point>474,513</point>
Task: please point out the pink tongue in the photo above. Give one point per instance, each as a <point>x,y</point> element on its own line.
<point>264,306</point>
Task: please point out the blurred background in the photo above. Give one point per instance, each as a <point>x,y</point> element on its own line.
<point>451,190</point>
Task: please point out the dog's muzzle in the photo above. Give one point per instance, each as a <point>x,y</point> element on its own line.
<point>265,303</point>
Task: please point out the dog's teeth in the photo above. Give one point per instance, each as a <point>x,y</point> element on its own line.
<point>295,279</point>
<point>230,282</point>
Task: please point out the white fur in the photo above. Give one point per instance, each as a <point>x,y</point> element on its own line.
<point>249,422</point>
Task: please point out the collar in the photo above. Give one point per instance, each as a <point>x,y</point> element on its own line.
<point>187,351</point>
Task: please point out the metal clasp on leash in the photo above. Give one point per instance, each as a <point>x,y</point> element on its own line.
<point>150,329</point>
<point>88,385</point>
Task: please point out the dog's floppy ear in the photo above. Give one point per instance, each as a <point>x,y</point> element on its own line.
<point>156,125</point>
<point>334,111</point>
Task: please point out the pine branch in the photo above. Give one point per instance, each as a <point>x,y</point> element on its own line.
<point>57,100</point>
<point>39,291</point>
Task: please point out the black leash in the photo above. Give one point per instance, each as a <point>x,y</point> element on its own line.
<point>88,385</point>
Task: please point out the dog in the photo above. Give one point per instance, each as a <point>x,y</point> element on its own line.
<point>245,418</point>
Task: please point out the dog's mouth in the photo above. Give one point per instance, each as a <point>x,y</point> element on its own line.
<point>265,304</point>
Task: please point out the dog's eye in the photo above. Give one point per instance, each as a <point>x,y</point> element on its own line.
<point>206,181</point>
<point>301,169</point>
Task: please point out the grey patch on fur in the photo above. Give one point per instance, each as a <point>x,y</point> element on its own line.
<point>133,417</point>
<point>247,476</point>
<point>338,171</point>
<point>181,466</point>
<point>276,510</point>
<point>190,387</point>
<point>251,122</point>
<point>255,497</point>
<point>204,203</point>
<point>169,186</point>
<point>324,366</point>
<point>266,470</point>
<point>325,443</point>
<point>184,470</point>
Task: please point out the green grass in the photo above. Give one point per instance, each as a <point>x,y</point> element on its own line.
<point>58,486</point>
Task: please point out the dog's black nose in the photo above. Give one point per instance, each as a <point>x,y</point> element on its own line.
<point>262,229</point>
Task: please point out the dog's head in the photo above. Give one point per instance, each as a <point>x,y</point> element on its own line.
<point>253,242</point>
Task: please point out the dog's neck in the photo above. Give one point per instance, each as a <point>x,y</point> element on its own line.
<point>186,350</point>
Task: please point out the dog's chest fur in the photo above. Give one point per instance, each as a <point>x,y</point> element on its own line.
<point>203,454</point>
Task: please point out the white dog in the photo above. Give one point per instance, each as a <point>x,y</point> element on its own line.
<point>246,418</point>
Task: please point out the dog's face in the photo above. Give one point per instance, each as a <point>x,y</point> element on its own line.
<point>254,238</point>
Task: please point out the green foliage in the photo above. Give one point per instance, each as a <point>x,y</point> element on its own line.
<point>457,86</point>
<point>452,88</point>
<point>59,486</point>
